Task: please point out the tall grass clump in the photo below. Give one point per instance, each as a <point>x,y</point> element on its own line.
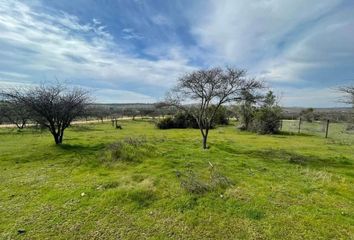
<point>194,183</point>
<point>130,149</point>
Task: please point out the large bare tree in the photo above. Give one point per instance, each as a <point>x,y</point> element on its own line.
<point>349,94</point>
<point>54,106</point>
<point>349,99</point>
<point>201,93</point>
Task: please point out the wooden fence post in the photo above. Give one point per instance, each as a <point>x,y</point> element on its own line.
<point>281,124</point>
<point>327,128</point>
<point>299,130</point>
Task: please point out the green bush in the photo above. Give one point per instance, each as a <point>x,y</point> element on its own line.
<point>267,120</point>
<point>165,123</point>
<point>264,119</point>
<point>186,120</point>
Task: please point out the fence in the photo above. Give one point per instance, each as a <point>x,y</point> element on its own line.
<point>333,130</point>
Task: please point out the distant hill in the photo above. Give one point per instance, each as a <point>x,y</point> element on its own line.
<point>125,105</point>
<point>319,110</point>
<point>285,109</point>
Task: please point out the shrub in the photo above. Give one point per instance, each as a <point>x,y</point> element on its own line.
<point>193,183</point>
<point>128,150</point>
<point>186,120</point>
<point>308,114</point>
<point>267,120</point>
<point>165,123</point>
<point>222,116</point>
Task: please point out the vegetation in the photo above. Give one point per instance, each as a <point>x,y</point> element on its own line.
<point>260,186</point>
<point>15,112</point>
<point>247,109</point>
<point>267,118</point>
<point>186,120</point>
<point>201,93</point>
<point>348,92</point>
<point>264,118</point>
<point>52,106</point>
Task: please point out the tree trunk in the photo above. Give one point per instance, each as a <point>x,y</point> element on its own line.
<point>61,135</point>
<point>204,134</point>
<point>56,138</point>
<point>205,138</point>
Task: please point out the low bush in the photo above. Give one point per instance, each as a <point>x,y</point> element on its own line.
<point>128,150</point>
<point>264,119</point>
<point>186,120</point>
<point>165,123</point>
<point>193,183</point>
<point>267,120</point>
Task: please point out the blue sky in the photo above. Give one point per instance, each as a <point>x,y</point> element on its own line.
<point>135,50</point>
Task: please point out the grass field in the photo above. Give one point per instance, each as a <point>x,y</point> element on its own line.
<point>281,187</point>
<point>337,132</point>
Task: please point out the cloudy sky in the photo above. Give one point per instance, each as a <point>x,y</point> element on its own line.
<point>135,50</point>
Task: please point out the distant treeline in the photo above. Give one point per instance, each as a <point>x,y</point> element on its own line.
<point>132,110</point>
<point>318,114</point>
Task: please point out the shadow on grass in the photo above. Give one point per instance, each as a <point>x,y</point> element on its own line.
<point>81,128</point>
<point>280,155</point>
<point>27,131</point>
<point>82,148</point>
<point>285,133</point>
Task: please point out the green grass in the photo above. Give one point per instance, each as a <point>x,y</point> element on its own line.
<point>283,186</point>
<point>337,132</point>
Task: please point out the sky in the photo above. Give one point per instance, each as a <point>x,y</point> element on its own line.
<point>135,50</point>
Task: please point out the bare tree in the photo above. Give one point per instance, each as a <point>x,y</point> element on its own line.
<point>201,93</point>
<point>16,113</point>
<point>349,99</point>
<point>349,94</point>
<point>54,106</point>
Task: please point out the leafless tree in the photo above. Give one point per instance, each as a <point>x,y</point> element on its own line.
<point>54,106</point>
<point>349,94</point>
<point>201,93</point>
<point>349,99</point>
<point>16,113</point>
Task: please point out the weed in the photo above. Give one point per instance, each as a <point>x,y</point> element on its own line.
<point>128,150</point>
<point>193,183</point>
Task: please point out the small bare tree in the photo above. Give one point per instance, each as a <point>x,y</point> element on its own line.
<point>16,113</point>
<point>54,106</point>
<point>201,93</point>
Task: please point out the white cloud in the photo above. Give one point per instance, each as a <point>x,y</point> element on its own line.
<point>13,75</point>
<point>161,20</point>
<point>305,44</point>
<point>309,97</point>
<point>130,33</point>
<point>57,44</point>
<point>293,43</point>
<point>242,30</point>
<point>122,96</point>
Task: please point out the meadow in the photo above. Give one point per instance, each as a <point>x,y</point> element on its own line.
<point>146,183</point>
<point>338,132</point>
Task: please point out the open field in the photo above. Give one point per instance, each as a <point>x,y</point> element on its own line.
<point>282,186</point>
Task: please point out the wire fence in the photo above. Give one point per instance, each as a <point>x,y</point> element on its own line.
<point>338,131</point>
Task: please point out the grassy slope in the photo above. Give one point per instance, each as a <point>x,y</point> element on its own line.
<point>273,197</point>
